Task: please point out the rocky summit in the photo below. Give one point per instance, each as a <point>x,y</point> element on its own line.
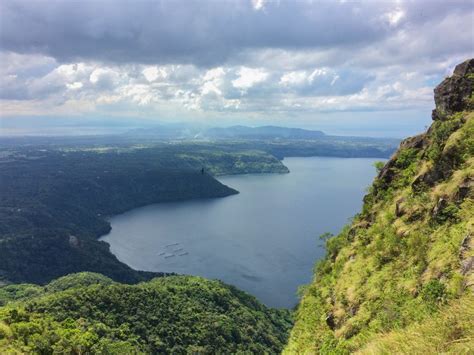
<point>454,94</point>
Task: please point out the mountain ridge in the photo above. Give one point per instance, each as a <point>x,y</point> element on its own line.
<point>406,261</point>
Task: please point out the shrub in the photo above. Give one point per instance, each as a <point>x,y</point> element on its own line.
<point>434,293</point>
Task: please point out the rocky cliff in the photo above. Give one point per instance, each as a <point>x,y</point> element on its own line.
<point>399,279</point>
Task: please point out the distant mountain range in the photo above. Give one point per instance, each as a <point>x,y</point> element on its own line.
<point>264,132</point>
<point>233,132</point>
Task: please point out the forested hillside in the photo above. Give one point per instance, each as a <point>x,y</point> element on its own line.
<point>400,279</point>
<point>54,204</point>
<point>88,313</point>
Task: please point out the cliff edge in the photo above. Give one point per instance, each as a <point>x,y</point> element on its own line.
<point>400,279</point>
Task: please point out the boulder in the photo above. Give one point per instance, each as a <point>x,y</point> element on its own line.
<point>465,189</point>
<point>454,93</point>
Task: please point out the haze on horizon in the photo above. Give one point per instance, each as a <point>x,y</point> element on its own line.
<point>353,68</point>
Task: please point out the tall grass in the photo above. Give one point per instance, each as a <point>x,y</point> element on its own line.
<point>449,332</point>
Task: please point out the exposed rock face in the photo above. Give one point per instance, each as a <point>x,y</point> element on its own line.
<point>439,207</point>
<point>467,260</point>
<point>465,189</point>
<point>454,93</point>
<point>387,173</point>
<point>416,215</point>
<point>399,211</point>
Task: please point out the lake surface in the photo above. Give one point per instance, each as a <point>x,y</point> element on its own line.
<point>263,240</point>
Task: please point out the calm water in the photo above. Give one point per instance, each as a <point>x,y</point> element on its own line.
<point>264,240</point>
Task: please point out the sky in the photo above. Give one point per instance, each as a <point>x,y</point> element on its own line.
<point>346,67</point>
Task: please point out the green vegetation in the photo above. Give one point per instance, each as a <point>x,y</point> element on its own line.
<point>279,142</point>
<point>448,332</point>
<point>379,166</point>
<point>89,313</point>
<point>54,202</point>
<point>55,197</point>
<point>344,147</point>
<point>56,193</point>
<point>218,162</point>
<point>398,278</point>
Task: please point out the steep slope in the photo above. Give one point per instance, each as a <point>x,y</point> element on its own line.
<point>89,313</point>
<point>53,205</point>
<point>50,224</point>
<point>395,279</point>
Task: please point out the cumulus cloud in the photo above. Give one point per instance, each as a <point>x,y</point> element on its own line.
<point>249,77</point>
<point>153,73</point>
<point>257,57</point>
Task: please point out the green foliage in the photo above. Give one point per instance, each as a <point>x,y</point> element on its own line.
<point>56,193</point>
<point>54,203</point>
<point>448,332</point>
<point>86,313</point>
<point>82,279</point>
<point>18,292</point>
<point>379,166</point>
<point>398,264</point>
<point>448,213</point>
<point>218,162</point>
<point>326,236</point>
<point>439,134</point>
<point>334,245</point>
<point>405,158</point>
<point>434,293</point>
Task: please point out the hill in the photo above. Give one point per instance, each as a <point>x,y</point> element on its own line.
<point>263,132</point>
<point>400,279</point>
<point>277,141</point>
<point>189,131</point>
<point>54,204</point>
<point>89,313</point>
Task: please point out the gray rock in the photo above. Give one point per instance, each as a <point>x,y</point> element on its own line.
<point>453,94</point>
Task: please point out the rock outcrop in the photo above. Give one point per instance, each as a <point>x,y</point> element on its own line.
<point>409,251</point>
<point>454,94</point>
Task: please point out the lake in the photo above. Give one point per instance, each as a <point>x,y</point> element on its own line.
<point>263,240</point>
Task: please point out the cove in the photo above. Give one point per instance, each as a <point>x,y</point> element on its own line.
<point>263,240</point>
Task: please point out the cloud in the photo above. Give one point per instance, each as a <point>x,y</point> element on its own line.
<point>256,58</point>
<point>258,4</point>
<point>204,32</point>
<point>249,77</point>
<point>395,16</point>
<point>105,78</point>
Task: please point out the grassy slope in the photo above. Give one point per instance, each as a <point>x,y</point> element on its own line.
<point>449,331</point>
<point>89,313</point>
<point>404,259</point>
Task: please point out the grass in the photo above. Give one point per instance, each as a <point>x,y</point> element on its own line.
<point>397,267</point>
<point>449,332</point>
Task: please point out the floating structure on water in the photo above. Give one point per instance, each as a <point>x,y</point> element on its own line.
<point>171,245</point>
<point>171,252</point>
